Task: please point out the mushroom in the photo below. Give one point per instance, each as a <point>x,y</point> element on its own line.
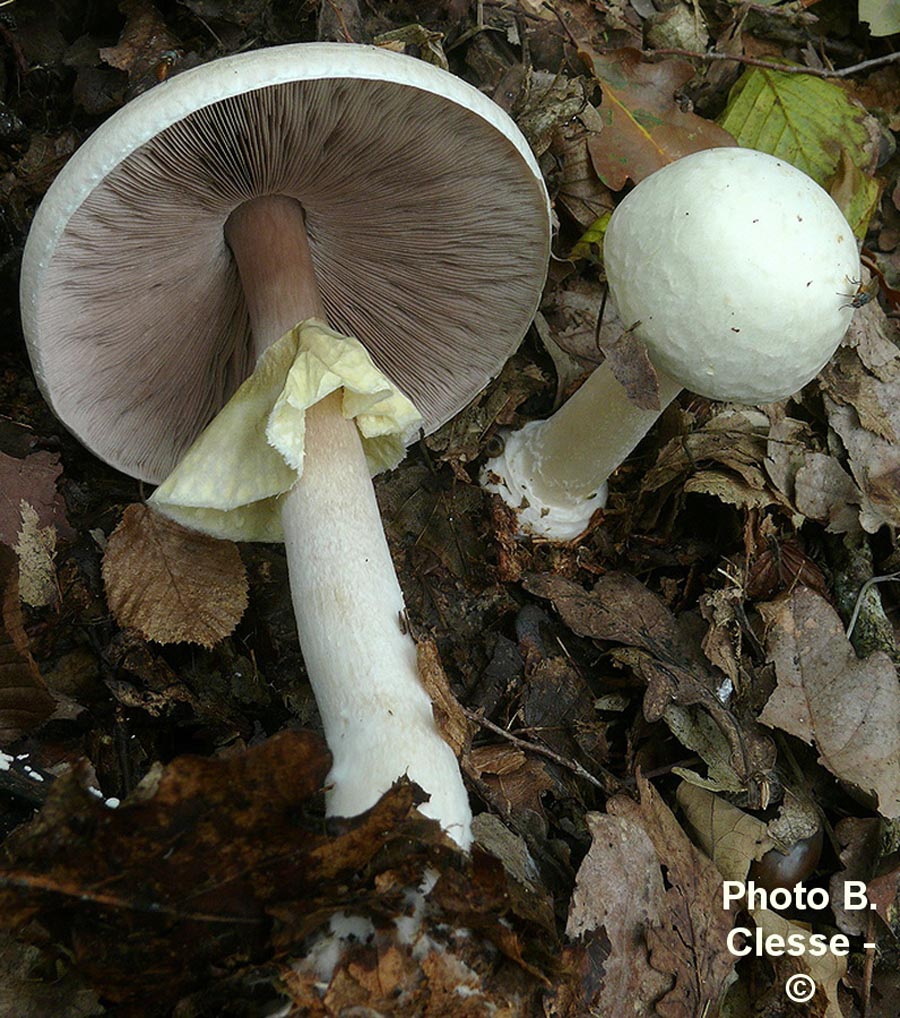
<point>733,268</point>
<point>248,255</point>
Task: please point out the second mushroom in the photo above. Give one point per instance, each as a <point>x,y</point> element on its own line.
<point>733,268</point>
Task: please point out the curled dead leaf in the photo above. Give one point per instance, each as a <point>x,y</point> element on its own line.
<point>732,838</point>
<point>850,708</point>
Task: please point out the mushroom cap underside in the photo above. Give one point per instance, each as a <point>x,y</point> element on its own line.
<point>427,218</point>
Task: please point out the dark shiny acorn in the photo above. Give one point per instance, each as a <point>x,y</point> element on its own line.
<point>780,869</point>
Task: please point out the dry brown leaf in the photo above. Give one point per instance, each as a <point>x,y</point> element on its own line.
<point>862,399</point>
<point>780,565</point>
<point>622,610</point>
<point>619,892</point>
<point>454,726</point>
<point>545,104</point>
<point>872,335</point>
<point>826,971</point>
<point>170,583</point>
<point>728,489</point>
<point>850,708</point>
<point>730,837</point>
<point>883,893</point>
<point>32,480</point>
<point>848,382</point>
<point>689,939</point>
<point>787,443</point>
<point>514,779</point>
<point>580,191</point>
<point>629,361</point>
<point>824,491</point>
<point>874,462</point>
<point>723,640</point>
<point>558,705</point>
<point>494,837</point>
<point>619,608</point>
<point>144,43</point>
<point>735,440</point>
<point>568,369</point>
<point>644,127</point>
<point>725,458</point>
<point>572,314</point>
<point>24,698</point>
<point>860,840</point>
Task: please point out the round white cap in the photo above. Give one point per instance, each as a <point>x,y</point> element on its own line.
<point>737,266</point>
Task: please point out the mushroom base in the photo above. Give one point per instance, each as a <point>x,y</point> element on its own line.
<point>511,476</point>
<point>554,472</point>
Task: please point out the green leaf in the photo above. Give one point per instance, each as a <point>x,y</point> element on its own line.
<point>590,243</point>
<point>883,16</point>
<point>809,122</point>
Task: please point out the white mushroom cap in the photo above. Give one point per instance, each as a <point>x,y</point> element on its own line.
<point>734,262</point>
<point>427,217</point>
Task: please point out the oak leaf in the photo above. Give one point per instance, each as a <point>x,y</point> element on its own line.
<point>619,892</point>
<point>689,938</point>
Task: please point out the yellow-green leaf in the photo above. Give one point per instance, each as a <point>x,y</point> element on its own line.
<point>590,243</point>
<point>811,123</point>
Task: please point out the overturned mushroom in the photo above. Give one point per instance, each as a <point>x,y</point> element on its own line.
<point>301,236</point>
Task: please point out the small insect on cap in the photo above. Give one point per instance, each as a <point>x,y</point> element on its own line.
<point>733,263</point>
<point>428,225</point>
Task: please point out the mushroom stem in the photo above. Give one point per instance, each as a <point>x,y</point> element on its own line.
<point>348,603</point>
<point>555,470</point>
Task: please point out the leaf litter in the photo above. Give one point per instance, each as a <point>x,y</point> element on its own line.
<point>689,653</point>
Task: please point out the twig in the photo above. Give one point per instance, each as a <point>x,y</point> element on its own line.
<point>23,780</point>
<point>863,590</point>
<point>48,884</point>
<point>612,783</point>
<point>770,65</point>
<point>339,14</point>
